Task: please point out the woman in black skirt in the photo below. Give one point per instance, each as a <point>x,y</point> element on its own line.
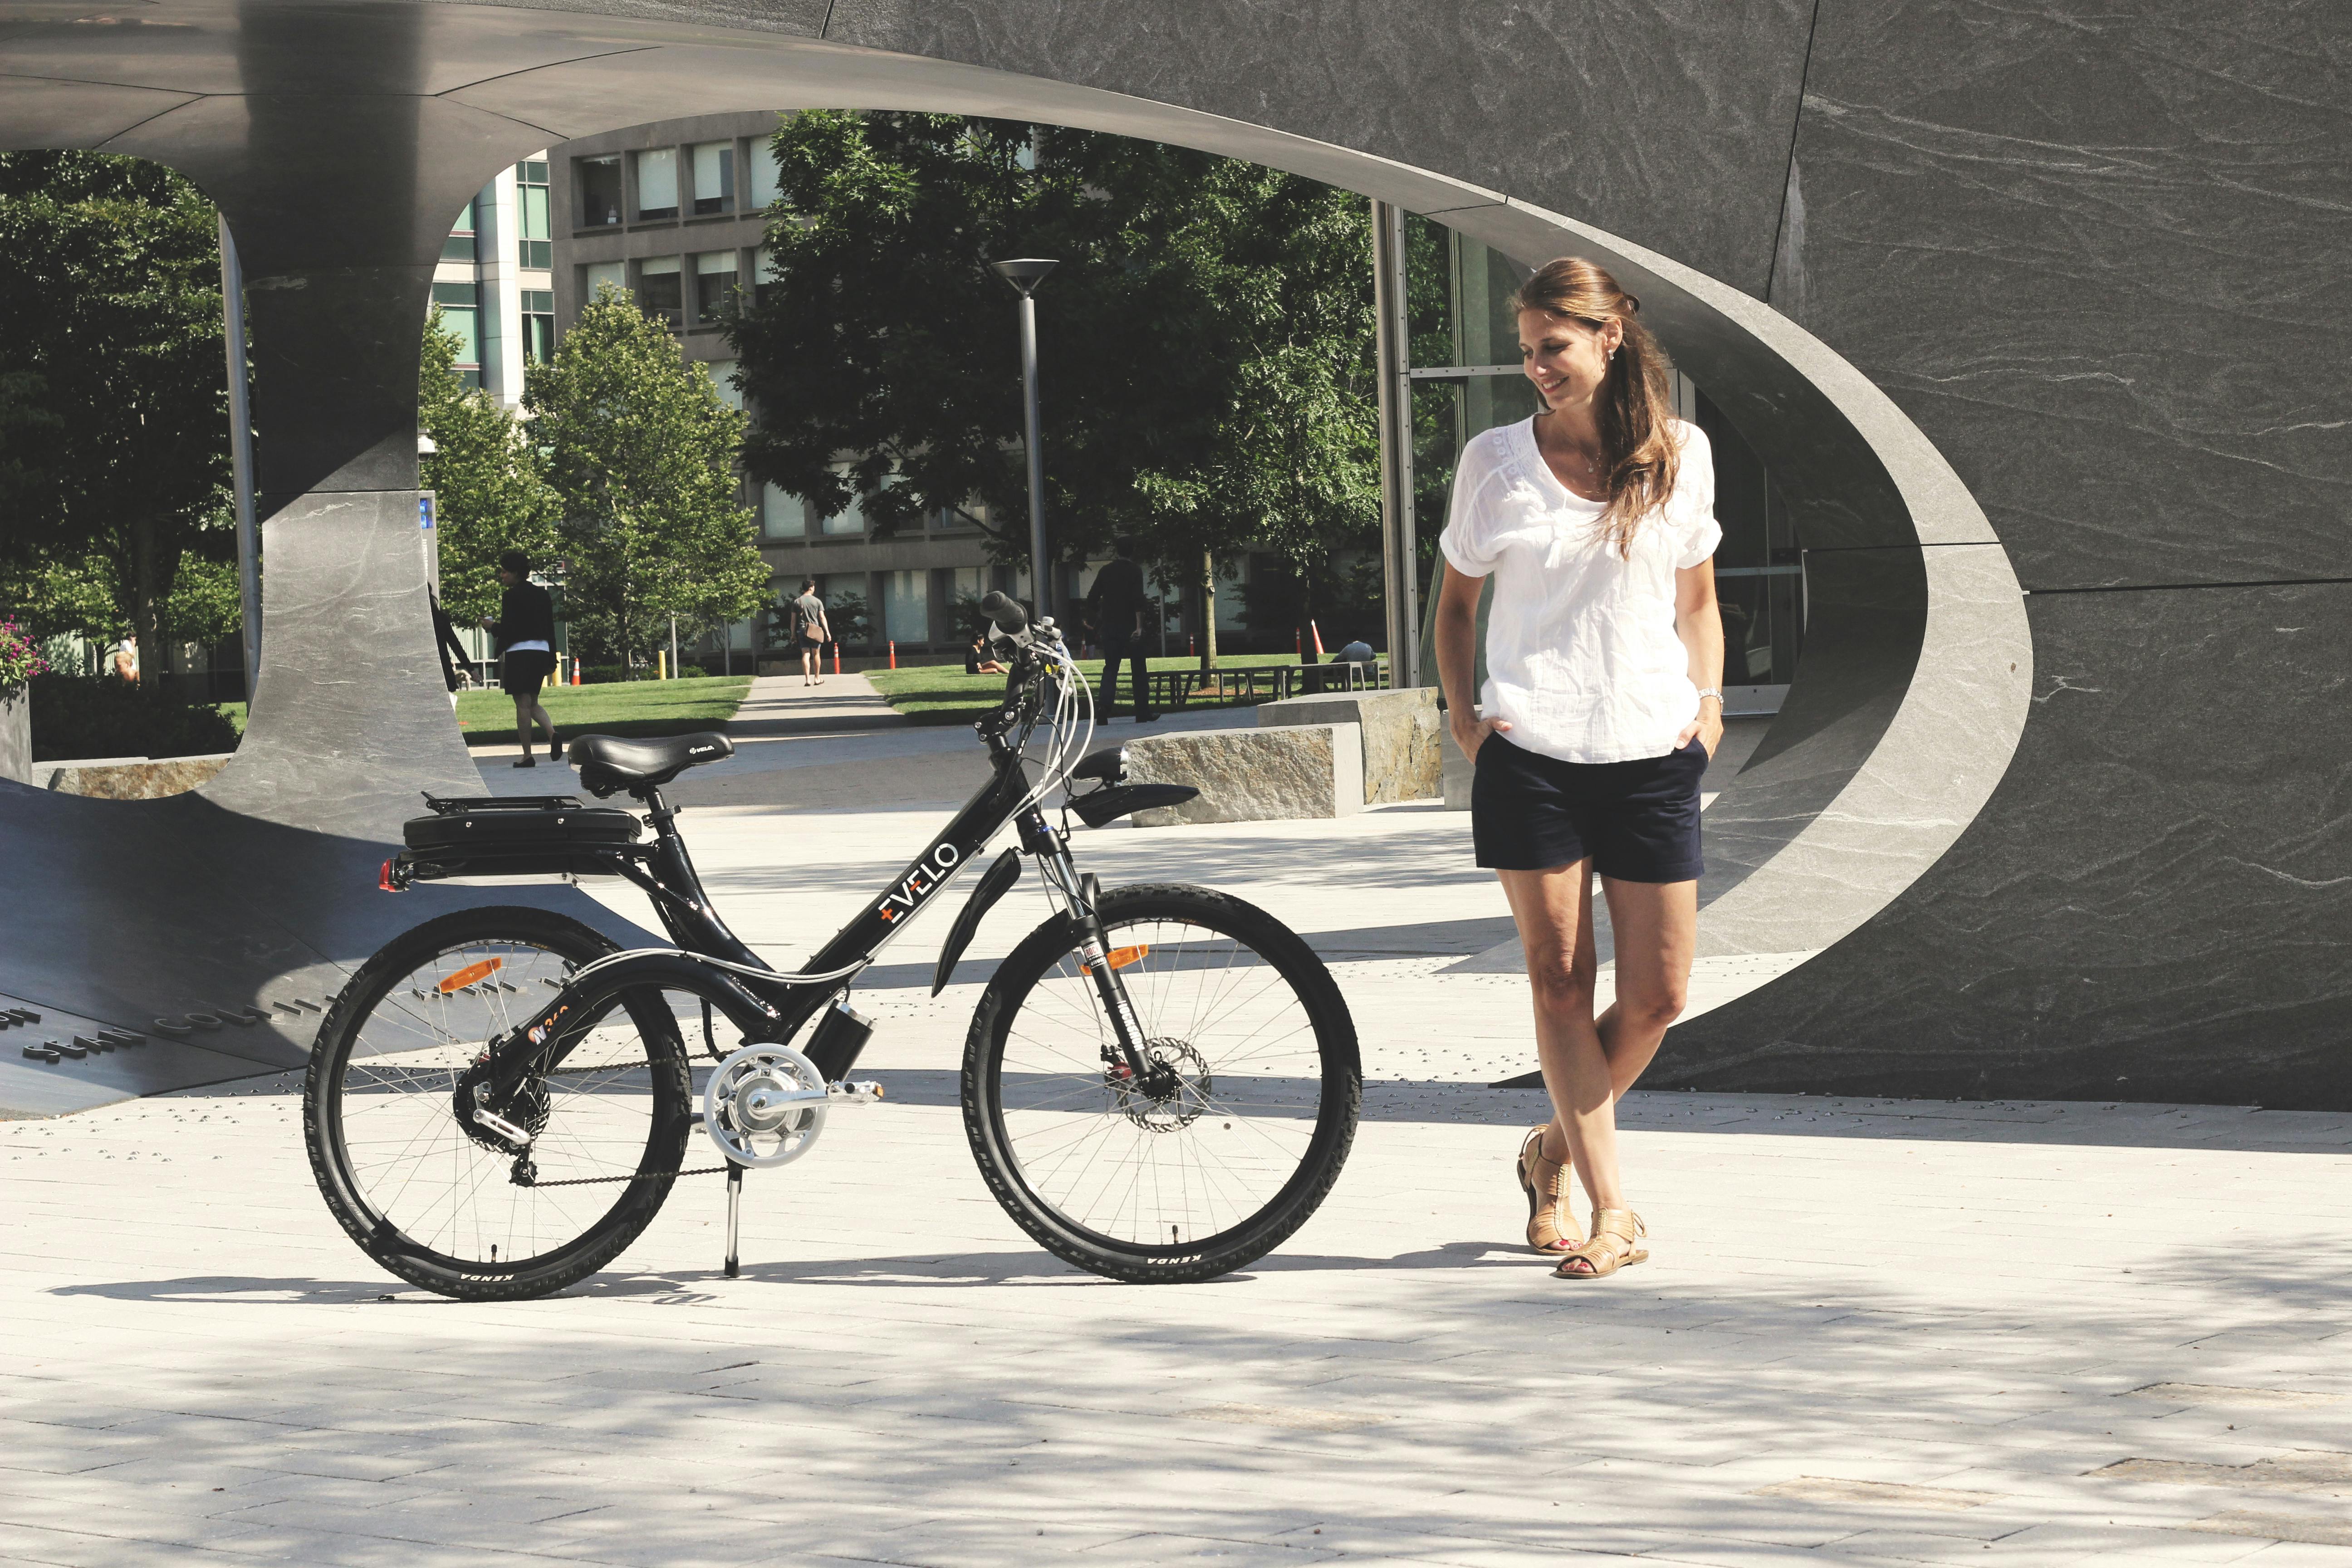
<point>525,631</point>
<point>1604,656</point>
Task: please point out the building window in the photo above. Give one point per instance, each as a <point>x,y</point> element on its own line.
<point>850,519</point>
<point>781,516</point>
<point>537,247</point>
<point>597,275</point>
<point>722,381</point>
<point>764,275</point>
<point>907,606</point>
<point>763,172</point>
<point>714,178</point>
<point>657,184</point>
<point>538,325</point>
<point>659,290</point>
<point>459,245</point>
<point>599,191</point>
<point>714,286</point>
<point>459,306</point>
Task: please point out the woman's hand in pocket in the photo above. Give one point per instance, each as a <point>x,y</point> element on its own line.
<point>1706,728</point>
<point>1470,734</point>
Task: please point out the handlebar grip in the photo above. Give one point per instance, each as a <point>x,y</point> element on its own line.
<point>1009,616</point>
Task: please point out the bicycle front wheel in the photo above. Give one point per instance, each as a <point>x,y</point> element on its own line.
<point>1236,1131</point>
<point>428,1190</point>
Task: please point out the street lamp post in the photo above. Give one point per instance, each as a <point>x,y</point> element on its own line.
<point>1024,274</point>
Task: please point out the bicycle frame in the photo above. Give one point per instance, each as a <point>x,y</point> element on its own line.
<point>770,1005</point>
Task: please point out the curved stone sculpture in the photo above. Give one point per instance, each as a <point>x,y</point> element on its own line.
<point>1900,820</point>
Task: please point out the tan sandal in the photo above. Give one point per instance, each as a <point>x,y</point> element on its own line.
<point>1615,1234</point>
<point>1551,1224</point>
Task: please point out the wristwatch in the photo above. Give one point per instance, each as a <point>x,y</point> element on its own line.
<point>1706,691</point>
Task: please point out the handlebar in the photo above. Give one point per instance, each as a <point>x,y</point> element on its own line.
<point>1010,617</point>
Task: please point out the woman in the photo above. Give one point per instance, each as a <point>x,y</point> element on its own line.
<point>1604,656</point>
<point>525,631</point>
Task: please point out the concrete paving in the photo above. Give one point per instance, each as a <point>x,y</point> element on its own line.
<point>1904,1332</point>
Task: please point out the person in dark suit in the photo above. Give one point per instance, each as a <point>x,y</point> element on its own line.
<point>1115,607</point>
<point>526,632</point>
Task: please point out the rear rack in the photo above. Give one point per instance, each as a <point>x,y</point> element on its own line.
<point>451,805</point>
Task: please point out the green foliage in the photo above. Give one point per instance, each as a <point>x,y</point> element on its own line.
<point>850,619</point>
<point>1205,346</point>
<point>81,716</point>
<point>20,660</point>
<point>113,394</point>
<point>642,454</point>
<point>489,482</point>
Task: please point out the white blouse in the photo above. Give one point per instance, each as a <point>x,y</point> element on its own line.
<point>1582,659</point>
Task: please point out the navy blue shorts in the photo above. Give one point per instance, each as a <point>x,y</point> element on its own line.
<point>1636,821</point>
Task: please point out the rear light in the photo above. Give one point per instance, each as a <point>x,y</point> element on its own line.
<point>383,878</point>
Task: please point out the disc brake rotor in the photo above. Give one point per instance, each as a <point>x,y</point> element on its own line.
<point>1172,1092</point>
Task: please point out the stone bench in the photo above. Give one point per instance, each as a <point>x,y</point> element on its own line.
<point>1400,730</point>
<point>1252,775</point>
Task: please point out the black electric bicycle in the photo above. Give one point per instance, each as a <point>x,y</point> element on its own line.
<point>1160,1083</point>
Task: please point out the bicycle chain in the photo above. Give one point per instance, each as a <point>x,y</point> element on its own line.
<point>640,1176</point>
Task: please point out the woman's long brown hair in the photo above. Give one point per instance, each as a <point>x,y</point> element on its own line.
<point>1635,403</point>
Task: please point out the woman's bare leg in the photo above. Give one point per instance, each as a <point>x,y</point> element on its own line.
<point>1553,910</point>
<point>1588,1062</point>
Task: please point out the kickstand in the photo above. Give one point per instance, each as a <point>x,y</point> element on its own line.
<point>734,1219</point>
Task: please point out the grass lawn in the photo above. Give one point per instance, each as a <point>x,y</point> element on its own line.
<point>630,707</point>
<point>944,694</point>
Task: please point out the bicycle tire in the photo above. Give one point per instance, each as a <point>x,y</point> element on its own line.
<point>409,1062</point>
<point>1076,1100</point>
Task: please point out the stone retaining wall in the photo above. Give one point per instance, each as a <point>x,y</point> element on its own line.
<point>1399,731</point>
<point>1253,775</point>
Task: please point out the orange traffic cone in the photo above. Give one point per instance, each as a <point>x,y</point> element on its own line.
<point>575,672</point>
<point>894,653</point>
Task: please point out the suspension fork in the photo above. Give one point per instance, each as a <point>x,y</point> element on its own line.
<point>1079,893</point>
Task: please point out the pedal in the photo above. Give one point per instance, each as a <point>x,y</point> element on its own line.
<point>863,1092</point>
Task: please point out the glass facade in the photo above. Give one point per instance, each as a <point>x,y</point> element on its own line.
<point>660,292</point>
<point>907,606</point>
<point>763,172</point>
<point>721,372</point>
<point>714,286</point>
<point>538,325</point>
<point>460,317</point>
<point>599,191</point>
<point>460,246</point>
<point>714,178</point>
<point>781,515</point>
<point>657,169</point>
<point>537,245</point>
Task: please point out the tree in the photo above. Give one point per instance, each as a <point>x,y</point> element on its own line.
<point>642,454</point>
<point>110,316</point>
<point>1206,343</point>
<point>489,482</point>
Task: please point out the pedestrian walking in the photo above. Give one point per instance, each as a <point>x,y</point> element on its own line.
<point>810,632</point>
<point>1604,659</point>
<point>1115,607</point>
<point>121,661</point>
<point>525,631</point>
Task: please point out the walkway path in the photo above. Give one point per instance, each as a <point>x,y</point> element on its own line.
<point>1872,1333</point>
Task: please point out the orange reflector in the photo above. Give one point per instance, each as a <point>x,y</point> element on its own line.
<point>1120,957</point>
<point>470,973</point>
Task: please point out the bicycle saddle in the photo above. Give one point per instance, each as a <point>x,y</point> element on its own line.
<point>607,762</point>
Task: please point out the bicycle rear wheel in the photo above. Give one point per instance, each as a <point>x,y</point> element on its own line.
<point>1255,1088</point>
<point>448,1204</point>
